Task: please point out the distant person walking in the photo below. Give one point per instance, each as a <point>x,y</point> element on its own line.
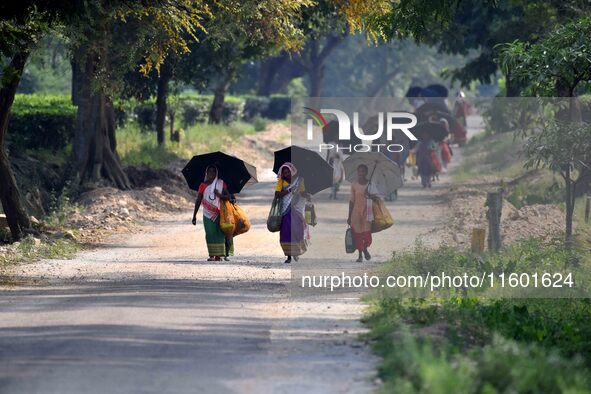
<point>294,234</point>
<point>210,194</point>
<point>361,213</point>
<point>427,161</point>
<point>335,159</point>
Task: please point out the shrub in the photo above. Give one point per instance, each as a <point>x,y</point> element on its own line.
<point>279,108</point>
<point>194,110</point>
<point>42,121</point>
<point>274,107</point>
<point>146,116</point>
<point>255,106</point>
<point>259,124</point>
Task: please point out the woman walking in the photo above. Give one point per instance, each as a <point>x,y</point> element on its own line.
<point>294,235</point>
<point>210,194</point>
<point>335,159</point>
<point>361,213</point>
<point>426,161</point>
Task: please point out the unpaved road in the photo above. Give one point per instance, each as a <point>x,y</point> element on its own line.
<point>145,313</point>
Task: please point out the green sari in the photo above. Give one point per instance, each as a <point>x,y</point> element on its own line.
<point>217,243</point>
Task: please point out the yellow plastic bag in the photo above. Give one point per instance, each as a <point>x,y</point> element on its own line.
<point>241,220</point>
<point>227,220</point>
<point>382,219</point>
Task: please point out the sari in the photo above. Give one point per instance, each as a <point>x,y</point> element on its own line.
<point>293,235</point>
<point>361,215</point>
<point>217,243</point>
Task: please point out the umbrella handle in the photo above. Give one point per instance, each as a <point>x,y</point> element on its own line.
<point>372,171</point>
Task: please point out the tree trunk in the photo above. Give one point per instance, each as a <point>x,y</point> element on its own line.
<point>93,150</point>
<point>570,208</point>
<point>161,100</point>
<point>216,114</point>
<point>317,58</point>
<point>511,88</point>
<point>316,70</point>
<point>16,215</point>
<point>269,69</point>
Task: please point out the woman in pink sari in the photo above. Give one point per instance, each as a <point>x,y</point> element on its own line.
<point>361,212</point>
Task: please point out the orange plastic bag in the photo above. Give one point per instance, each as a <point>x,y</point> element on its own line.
<point>240,219</point>
<point>227,219</point>
<point>382,218</point>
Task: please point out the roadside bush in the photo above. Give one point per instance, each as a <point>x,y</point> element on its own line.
<point>41,121</point>
<point>194,110</point>
<point>146,116</point>
<point>274,107</point>
<point>279,108</point>
<point>255,106</point>
<point>259,124</point>
<point>479,344</point>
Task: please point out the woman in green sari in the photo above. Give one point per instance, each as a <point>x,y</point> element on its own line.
<point>210,194</point>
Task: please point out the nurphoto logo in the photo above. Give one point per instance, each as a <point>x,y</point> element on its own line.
<point>367,140</point>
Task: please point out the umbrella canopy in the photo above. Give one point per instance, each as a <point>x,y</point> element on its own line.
<point>316,172</point>
<point>383,172</point>
<point>235,172</point>
<point>440,90</point>
<point>414,91</point>
<point>430,107</point>
<point>430,131</point>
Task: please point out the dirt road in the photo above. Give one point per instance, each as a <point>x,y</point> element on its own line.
<point>145,313</point>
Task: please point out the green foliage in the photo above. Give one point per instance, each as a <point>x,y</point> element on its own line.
<point>297,88</point>
<point>259,124</point>
<point>540,190</point>
<point>560,146</point>
<point>556,64</point>
<point>498,155</point>
<point>60,209</point>
<point>42,121</point>
<point>138,148</point>
<point>481,345</point>
<point>275,107</point>
<point>27,251</point>
<point>48,70</point>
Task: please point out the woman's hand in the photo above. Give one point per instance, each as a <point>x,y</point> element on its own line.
<point>194,220</point>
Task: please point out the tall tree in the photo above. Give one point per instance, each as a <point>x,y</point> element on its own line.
<point>557,65</point>
<point>20,28</point>
<point>109,41</point>
<point>238,33</point>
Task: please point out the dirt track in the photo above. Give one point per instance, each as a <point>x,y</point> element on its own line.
<point>146,313</point>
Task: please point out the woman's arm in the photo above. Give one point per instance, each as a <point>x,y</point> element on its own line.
<point>281,193</point>
<point>224,195</point>
<point>351,203</point>
<point>197,205</point>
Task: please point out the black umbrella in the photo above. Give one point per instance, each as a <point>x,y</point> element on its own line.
<point>317,173</point>
<point>429,108</point>
<point>235,172</point>
<point>440,90</point>
<point>430,131</point>
<point>435,116</point>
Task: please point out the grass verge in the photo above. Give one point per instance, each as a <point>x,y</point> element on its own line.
<point>140,148</point>
<point>481,345</point>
